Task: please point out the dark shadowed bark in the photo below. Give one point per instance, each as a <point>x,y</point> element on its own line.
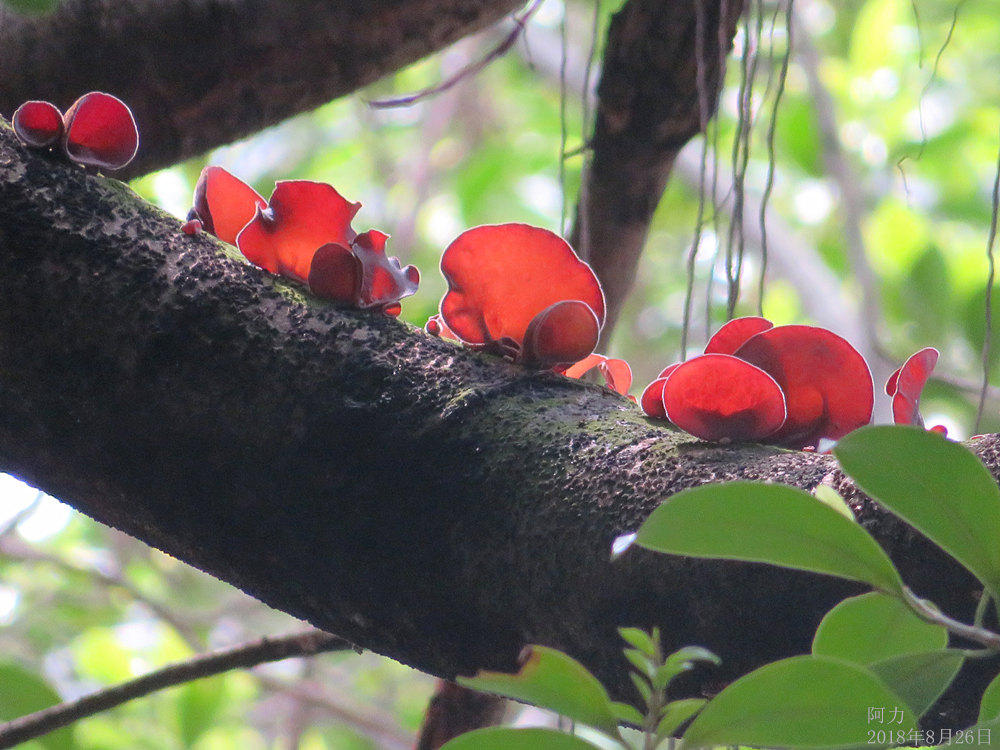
<point>438,506</point>
<point>455,710</point>
<point>202,73</point>
<point>648,107</point>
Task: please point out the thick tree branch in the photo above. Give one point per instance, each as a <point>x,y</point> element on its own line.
<point>201,73</point>
<point>435,505</point>
<point>648,108</point>
<point>245,655</point>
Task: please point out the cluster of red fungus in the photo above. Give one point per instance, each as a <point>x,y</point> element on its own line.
<point>794,386</point>
<point>98,130</point>
<point>522,292</point>
<point>304,234</point>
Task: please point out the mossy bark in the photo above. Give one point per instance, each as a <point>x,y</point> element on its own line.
<point>438,506</point>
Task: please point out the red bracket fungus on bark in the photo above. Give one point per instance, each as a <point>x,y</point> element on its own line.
<point>522,292</point>
<point>304,233</point>
<point>38,124</point>
<point>99,131</point>
<point>722,397</point>
<point>224,203</point>
<point>825,384</point>
<point>907,383</point>
<point>616,372</point>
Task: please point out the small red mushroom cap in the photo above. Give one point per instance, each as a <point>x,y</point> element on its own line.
<point>38,124</point>
<point>224,203</point>
<point>99,131</point>
<point>827,384</point>
<point>300,218</point>
<point>335,274</point>
<point>734,334</point>
<point>617,373</point>
<point>384,281</point>
<point>906,384</point>
<point>721,397</point>
<point>561,334</point>
<point>500,277</point>
<point>651,400</point>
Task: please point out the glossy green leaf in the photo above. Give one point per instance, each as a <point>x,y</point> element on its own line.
<point>919,679</point>
<point>680,661</point>
<point>872,627</point>
<point>676,713</point>
<point>638,639</point>
<point>805,701</point>
<point>552,680</point>
<point>504,738</point>
<point>936,485</point>
<point>22,692</point>
<point>989,706</point>
<point>769,523</point>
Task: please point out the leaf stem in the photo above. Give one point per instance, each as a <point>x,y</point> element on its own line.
<point>931,614</point>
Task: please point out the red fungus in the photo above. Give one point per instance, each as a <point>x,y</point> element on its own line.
<point>300,217</point>
<point>436,327</point>
<point>383,281</point>
<point>561,334</point>
<point>827,385</point>
<point>651,399</point>
<point>500,277</point>
<point>721,397</point>
<point>192,226</point>
<point>335,273</point>
<point>38,124</point>
<point>617,373</point>
<point>906,384</point>
<point>99,131</point>
<point>224,203</point>
<point>734,334</point>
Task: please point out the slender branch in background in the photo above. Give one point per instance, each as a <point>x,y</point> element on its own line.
<point>703,116</point>
<point>563,129</point>
<point>920,34</point>
<point>927,86</point>
<point>991,274</point>
<point>494,54</point>
<point>247,655</point>
<point>586,93</point>
<point>771,161</point>
<point>716,204</point>
<point>742,124</point>
<point>20,516</point>
<point>852,202</point>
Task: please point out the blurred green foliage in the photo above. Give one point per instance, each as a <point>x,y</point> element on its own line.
<point>82,606</point>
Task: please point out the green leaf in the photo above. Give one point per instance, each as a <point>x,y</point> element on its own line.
<point>936,485</point>
<point>680,661</point>
<point>628,714</point>
<point>919,679</point>
<point>552,680</point>
<point>642,685</point>
<point>22,692</point>
<point>805,701</point>
<point>505,738</point>
<point>676,713</point>
<point>769,523</point>
<point>872,627</point>
<point>989,707</point>
<point>640,661</point>
<point>829,496</point>
<point>639,639</point>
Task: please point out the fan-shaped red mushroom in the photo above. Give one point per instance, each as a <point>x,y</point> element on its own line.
<point>906,384</point>
<point>224,203</point>
<point>734,334</point>
<point>501,277</point>
<point>721,397</point>
<point>38,124</point>
<point>301,216</point>
<point>828,387</point>
<point>617,373</point>
<point>99,131</point>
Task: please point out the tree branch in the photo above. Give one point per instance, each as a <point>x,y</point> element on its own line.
<point>648,108</point>
<point>243,656</point>
<point>205,73</point>
<point>435,505</point>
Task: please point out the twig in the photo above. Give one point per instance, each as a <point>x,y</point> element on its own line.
<point>991,274</point>
<point>933,615</point>
<point>470,70</point>
<point>771,129</point>
<point>243,656</point>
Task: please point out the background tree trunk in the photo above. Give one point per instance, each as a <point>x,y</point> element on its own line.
<point>434,505</point>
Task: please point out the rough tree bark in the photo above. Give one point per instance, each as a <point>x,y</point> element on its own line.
<point>438,506</point>
<point>202,73</point>
<point>659,87</point>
